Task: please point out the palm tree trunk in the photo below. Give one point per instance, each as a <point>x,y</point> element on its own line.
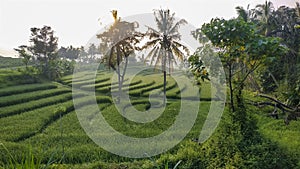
<point>165,77</point>
<point>124,71</point>
<point>119,74</point>
<point>165,84</point>
<point>169,63</point>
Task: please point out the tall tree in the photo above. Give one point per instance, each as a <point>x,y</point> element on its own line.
<point>245,14</point>
<point>44,47</point>
<point>241,50</point>
<point>165,42</point>
<point>263,12</point>
<point>121,39</point>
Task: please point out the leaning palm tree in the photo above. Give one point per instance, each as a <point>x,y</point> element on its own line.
<point>245,14</point>
<point>164,42</point>
<point>263,13</point>
<point>121,39</point>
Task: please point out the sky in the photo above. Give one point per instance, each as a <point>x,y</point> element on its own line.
<point>76,21</point>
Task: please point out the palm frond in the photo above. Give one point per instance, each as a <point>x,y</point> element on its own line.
<point>170,22</point>
<point>179,45</point>
<point>150,54</point>
<point>151,43</point>
<point>151,30</point>
<point>159,17</point>
<point>159,24</point>
<point>177,52</point>
<point>175,36</point>
<point>165,39</point>
<point>176,27</point>
<point>172,59</point>
<point>154,54</point>
<point>242,13</point>
<point>159,57</point>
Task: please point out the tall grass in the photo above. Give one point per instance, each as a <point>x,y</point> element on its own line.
<point>28,159</point>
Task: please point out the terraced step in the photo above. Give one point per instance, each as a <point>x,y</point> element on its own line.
<point>23,126</point>
<point>140,86</point>
<point>28,123</point>
<point>84,76</point>
<point>169,86</point>
<point>31,105</point>
<point>141,91</point>
<point>88,82</point>
<point>99,85</point>
<point>125,86</point>
<point>70,123</point>
<point>108,86</point>
<point>79,77</point>
<point>174,93</point>
<point>35,95</point>
<point>26,88</point>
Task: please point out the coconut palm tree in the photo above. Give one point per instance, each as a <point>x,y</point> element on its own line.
<point>121,39</point>
<point>263,12</point>
<point>245,14</point>
<point>164,42</point>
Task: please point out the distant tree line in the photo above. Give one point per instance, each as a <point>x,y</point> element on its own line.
<point>47,59</point>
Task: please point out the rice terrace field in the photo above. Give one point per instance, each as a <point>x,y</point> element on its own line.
<point>38,122</point>
<point>150,90</point>
<point>39,117</point>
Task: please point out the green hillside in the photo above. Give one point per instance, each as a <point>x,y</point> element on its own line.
<point>31,116</point>
<point>39,119</point>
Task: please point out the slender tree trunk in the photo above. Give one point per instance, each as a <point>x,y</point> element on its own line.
<point>165,83</point>
<point>231,87</point>
<point>124,71</point>
<point>46,71</point>
<point>119,73</point>
<point>164,19</point>
<point>169,57</point>
<point>165,78</point>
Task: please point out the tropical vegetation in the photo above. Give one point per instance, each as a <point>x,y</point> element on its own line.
<point>258,50</point>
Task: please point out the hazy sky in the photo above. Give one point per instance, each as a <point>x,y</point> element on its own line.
<point>76,21</point>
